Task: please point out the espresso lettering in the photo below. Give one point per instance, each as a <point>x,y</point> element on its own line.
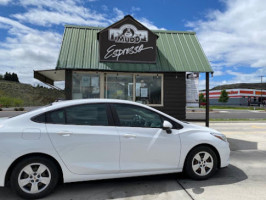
<point>116,53</point>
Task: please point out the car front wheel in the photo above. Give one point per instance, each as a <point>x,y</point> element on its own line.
<point>201,163</point>
<point>34,177</point>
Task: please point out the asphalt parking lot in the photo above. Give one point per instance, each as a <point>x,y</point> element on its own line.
<point>244,178</point>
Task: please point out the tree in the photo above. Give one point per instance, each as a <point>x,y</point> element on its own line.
<point>7,76</point>
<point>1,77</point>
<point>11,77</point>
<point>202,99</point>
<point>14,77</point>
<point>224,96</point>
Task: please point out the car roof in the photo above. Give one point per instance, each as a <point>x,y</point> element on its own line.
<point>67,103</point>
<point>84,101</point>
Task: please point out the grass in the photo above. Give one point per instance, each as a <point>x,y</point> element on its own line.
<point>18,94</point>
<point>6,101</point>
<point>236,108</point>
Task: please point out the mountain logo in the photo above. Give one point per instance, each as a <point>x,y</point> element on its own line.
<point>127,33</point>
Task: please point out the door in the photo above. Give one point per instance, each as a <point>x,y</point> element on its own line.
<point>145,145</point>
<point>84,139</point>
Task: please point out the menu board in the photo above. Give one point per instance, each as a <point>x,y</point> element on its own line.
<point>192,89</point>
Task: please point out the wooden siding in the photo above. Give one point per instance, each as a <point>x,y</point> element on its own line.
<point>174,95</point>
<point>68,84</point>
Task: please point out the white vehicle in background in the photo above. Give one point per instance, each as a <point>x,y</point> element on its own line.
<point>82,140</point>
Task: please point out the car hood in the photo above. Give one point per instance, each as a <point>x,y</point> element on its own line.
<point>201,128</point>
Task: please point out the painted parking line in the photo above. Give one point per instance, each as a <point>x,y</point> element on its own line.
<point>259,127</point>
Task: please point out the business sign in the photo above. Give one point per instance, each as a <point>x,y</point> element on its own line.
<point>127,41</point>
<point>192,89</point>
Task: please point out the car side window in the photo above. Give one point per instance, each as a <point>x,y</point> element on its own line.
<point>87,114</point>
<point>39,118</point>
<point>56,117</point>
<point>136,116</point>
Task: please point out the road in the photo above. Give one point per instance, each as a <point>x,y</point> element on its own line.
<point>226,114</point>
<point>244,178</point>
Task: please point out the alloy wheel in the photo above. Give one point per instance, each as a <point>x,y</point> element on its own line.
<point>34,178</point>
<point>202,163</point>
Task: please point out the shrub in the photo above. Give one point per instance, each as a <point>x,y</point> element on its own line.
<point>21,109</point>
<point>17,102</point>
<point>6,101</point>
<point>9,101</point>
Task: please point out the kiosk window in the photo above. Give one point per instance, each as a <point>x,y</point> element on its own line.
<point>119,87</point>
<point>148,89</point>
<point>85,85</point>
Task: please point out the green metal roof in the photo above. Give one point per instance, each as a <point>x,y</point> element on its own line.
<point>177,52</point>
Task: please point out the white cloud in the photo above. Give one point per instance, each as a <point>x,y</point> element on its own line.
<point>26,48</point>
<point>240,77</point>
<point>236,36</point>
<point>49,12</point>
<point>149,24</point>
<point>105,8</point>
<point>119,14</point>
<point>218,73</point>
<point>4,2</point>
<point>48,18</point>
<point>134,9</point>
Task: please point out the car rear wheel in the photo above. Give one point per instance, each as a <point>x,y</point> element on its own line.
<point>201,163</point>
<point>34,177</point>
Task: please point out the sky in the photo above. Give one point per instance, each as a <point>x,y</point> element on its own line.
<point>231,32</point>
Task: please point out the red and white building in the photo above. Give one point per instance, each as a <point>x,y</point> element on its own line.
<point>242,97</point>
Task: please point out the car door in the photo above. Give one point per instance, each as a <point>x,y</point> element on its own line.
<point>84,138</point>
<point>145,145</point>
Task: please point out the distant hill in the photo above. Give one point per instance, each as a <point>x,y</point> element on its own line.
<point>31,96</point>
<point>257,86</point>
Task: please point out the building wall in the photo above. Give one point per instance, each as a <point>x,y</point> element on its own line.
<point>231,101</point>
<point>240,97</point>
<point>174,95</point>
<point>68,84</point>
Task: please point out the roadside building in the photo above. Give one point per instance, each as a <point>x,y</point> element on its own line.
<point>239,97</point>
<point>128,61</point>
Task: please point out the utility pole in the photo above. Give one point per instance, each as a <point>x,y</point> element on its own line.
<point>261,103</point>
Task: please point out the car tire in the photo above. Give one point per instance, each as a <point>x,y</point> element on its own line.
<point>201,163</point>
<point>34,177</point>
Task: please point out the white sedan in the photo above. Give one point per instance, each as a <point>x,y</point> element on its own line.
<point>82,140</point>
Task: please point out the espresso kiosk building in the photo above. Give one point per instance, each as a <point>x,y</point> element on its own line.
<point>128,61</point>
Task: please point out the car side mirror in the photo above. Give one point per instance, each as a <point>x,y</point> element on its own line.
<point>167,126</point>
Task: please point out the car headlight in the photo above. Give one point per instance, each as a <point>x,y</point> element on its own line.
<point>220,136</point>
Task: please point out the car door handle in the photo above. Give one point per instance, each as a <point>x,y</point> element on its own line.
<point>129,136</point>
<point>64,133</point>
